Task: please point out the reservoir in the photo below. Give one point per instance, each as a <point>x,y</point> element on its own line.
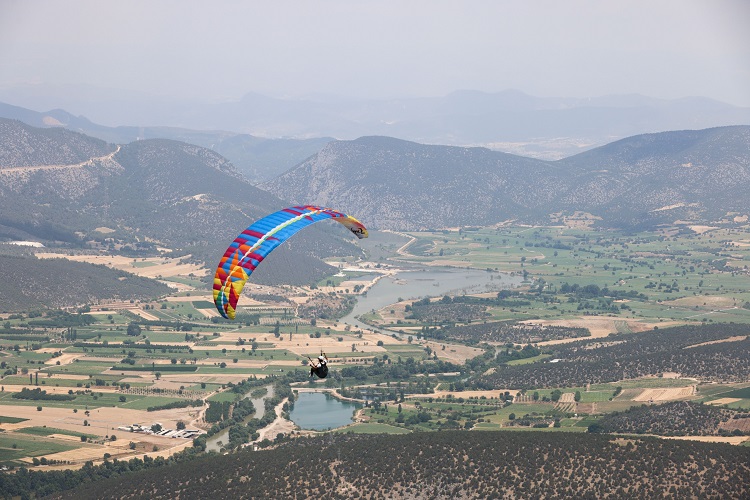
<point>320,411</point>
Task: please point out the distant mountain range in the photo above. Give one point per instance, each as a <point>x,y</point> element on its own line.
<point>640,181</point>
<point>257,158</point>
<point>65,186</point>
<point>57,185</point>
<point>509,121</point>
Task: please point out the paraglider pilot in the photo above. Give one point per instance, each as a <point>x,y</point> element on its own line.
<point>320,366</point>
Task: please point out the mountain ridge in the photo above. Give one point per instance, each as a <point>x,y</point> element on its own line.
<point>403,185</point>
<point>257,158</point>
<point>511,120</point>
<point>148,193</point>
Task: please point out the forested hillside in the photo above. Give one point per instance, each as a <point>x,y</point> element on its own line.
<point>29,283</point>
<point>442,465</point>
<point>692,351</point>
<point>676,418</point>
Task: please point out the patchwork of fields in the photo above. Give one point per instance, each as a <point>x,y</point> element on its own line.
<point>129,360</point>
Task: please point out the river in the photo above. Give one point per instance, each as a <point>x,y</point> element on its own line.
<point>213,443</point>
<point>427,282</point>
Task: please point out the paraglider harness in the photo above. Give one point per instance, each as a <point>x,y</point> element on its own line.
<point>321,368</point>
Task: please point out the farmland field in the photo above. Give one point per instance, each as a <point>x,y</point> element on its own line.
<point>15,447</point>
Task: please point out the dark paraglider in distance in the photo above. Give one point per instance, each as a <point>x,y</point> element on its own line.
<point>319,367</point>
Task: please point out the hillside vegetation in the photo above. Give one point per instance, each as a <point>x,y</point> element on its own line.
<point>677,418</point>
<point>51,283</point>
<point>24,146</point>
<point>628,356</point>
<point>639,181</point>
<point>444,465</point>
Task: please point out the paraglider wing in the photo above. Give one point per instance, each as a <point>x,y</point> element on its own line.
<point>249,249</point>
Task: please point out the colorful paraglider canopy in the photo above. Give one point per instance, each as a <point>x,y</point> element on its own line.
<point>249,249</point>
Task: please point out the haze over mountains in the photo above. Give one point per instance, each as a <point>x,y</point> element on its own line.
<point>257,158</point>
<point>178,186</point>
<point>510,121</point>
<point>58,184</point>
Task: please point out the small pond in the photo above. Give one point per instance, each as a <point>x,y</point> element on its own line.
<point>320,411</point>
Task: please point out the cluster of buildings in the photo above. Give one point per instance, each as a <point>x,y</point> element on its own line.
<point>172,433</point>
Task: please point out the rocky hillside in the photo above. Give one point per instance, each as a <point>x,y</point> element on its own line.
<point>394,184</point>
<point>142,195</point>
<point>639,181</point>
<point>689,175</point>
<point>23,146</point>
<point>257,158</point>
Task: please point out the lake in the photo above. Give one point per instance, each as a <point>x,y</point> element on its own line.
<point>320,411</point>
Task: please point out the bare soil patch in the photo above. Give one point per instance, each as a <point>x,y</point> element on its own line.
<point>736,440</point>
<point>65,437</point>
<point>598,326</point>
<point>103,421</point>
<point>580,220</point>
<point>145,315</point>
<point>708,301</point>
<point>729,339</point>
<point>666,394</point>
<point>568,397</point>
<point>209,313</point>
<point>69,376</point>
<point>723,401</point>
<point>303,345</point>
<point>53,389</point>
<point>84,454</point>
<point>455,353</point>
<point>152,267</point>
<point>279,425</point>
<point>191,298</point>
<point>702,229</point>
<point>65,359</point>
<point>467,394</point>
<point>741,424</point>
<point>212,378</point>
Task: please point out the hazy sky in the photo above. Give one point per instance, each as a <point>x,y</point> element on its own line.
<point>221,49</point>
